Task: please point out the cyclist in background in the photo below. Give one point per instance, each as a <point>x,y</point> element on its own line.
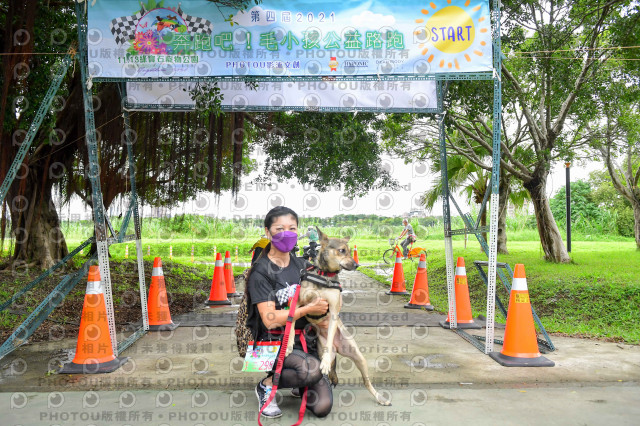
<point>312,234</point>
<point>411,237</point>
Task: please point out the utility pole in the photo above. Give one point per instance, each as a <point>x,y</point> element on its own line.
<point>568,194</point>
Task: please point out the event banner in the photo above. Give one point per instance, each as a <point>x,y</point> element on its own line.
<point>165,39</point>
<point>336,96</point>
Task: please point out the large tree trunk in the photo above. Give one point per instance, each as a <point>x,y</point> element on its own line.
<point>636,225</point>
<point>35,224</point>
<point>502,213</point>
<point>550,238</point>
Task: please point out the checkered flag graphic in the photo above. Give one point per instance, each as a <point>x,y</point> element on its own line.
<point>124,28</point>
<point>284,294</point>
<point>196,24</point>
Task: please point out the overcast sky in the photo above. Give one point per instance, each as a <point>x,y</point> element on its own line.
<point>255,200</point>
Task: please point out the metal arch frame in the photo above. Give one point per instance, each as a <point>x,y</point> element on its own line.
<point>101,221</point>
<point>98,208</point>
<point>470,225</point>
<point>495,174</point>
<point>481,75</point>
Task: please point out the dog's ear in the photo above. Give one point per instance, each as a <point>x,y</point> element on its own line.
<point>347,238</point>
<point>323,236</point>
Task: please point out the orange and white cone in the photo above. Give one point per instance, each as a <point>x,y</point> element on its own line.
<point>94,353</point>
<point>218,294</point>
<point>398,283</point>
<point>229,282</point>
<point>355,254</point>
<point>420,293</point>
<point>158,303</point>
<point>520,347</point>
<point>463,302</point>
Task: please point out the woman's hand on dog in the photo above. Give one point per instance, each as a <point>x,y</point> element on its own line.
<point>317,307</point>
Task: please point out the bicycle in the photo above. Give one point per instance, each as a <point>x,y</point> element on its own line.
<point>389,256</point>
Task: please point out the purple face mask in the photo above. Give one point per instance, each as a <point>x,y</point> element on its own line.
<point>284,241</point>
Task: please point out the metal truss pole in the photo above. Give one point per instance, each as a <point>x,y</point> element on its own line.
<point>130,140</point>
<point>58,76</point>
<point>94,176</point>
<point>446,217</point>
<point>495,176</point>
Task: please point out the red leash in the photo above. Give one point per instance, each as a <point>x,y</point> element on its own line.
<point>283,350</point>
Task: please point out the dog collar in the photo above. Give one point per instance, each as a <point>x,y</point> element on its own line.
<point>317,317</point>
<point>322,280</point>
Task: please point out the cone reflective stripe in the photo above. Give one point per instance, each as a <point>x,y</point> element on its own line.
<point>463,302</point>
<point>355,253</point>
<point>519,284</point>
<point>218,294</point>
<point>158,303</point>
<point>520,348</point>
<point>420,293</point>
<point>229,282</point>
<point>397,283</point>
<point>94,353</point>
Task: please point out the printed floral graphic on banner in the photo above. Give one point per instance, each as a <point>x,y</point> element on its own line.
<point>159,30</point>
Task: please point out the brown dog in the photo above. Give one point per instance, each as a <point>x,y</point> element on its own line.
<point>333,256</point>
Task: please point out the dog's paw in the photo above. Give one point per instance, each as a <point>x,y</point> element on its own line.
<point>325,366</point>
<point>382,400</point>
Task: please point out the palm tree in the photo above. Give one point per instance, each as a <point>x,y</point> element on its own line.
<point>473,181</point>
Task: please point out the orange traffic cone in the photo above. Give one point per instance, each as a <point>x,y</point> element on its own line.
<point>158,304</point>
<point>94,353</point>
<point>218,294</point>
<point>355,254</point>
<point>397,283</point>
<point>420,293</point>
<point>463,303</point>
<point>229,282</point>
<point>520,348</point>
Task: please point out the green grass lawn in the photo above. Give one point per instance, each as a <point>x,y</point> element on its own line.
<point>597,295</point>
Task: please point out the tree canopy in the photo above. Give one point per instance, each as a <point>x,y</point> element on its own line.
<point>177,155</point>
<point>556,53</point>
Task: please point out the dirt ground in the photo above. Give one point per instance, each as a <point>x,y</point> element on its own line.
<point>65,319</point>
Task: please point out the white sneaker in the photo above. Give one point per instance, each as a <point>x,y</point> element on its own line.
<point>262,392</point>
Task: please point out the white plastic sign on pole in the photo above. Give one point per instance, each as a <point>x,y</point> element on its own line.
<point>333,96</point>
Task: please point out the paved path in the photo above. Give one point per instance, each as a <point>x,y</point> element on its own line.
<point>601,405</point>
<point>592,383</point>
